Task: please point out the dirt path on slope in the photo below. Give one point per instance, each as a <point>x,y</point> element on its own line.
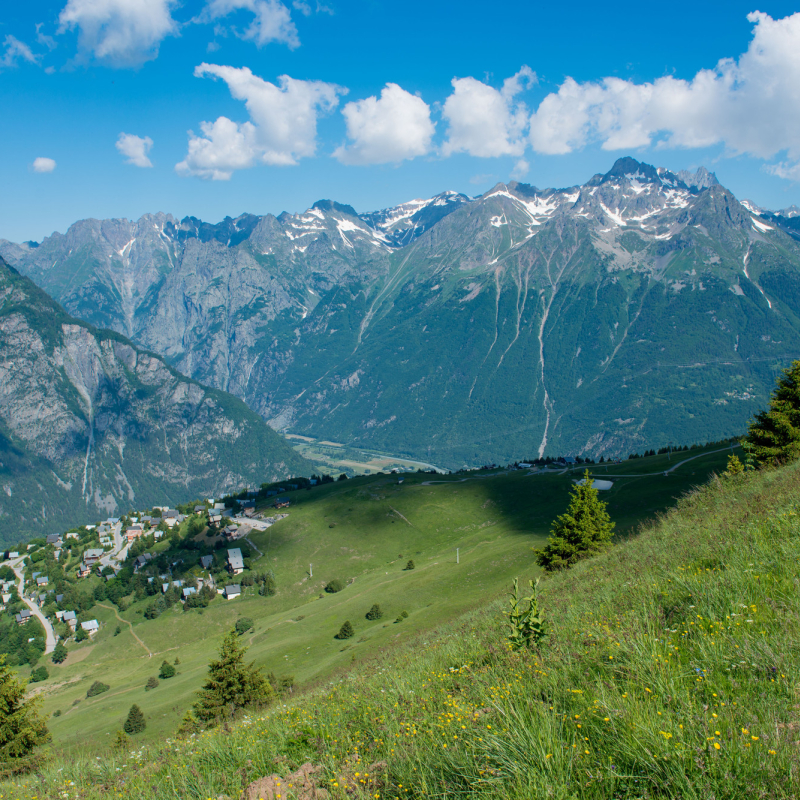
<point>133,633</point>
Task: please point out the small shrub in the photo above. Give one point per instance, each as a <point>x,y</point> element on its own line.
<point>735,467</point>
<point>166,671</point>
<point>117,630</point>
<point>243,624</point>
<point>81,635</point>
<point>334,586</point>
<point>411,564</point>
<point>121,741</point>
<point>39,674</point>
<point>135,723</point>
<point>97,688</point>
<point>151,684</point>
<point>57,712</point>
<point>375,612</point>
<point>346,631</point>
<point>403,615</point>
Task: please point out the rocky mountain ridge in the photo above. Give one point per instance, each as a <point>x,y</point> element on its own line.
<point>90,425</point>
<point>641,307</point>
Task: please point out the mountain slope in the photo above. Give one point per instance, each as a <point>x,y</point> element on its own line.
<point>90,425</point>
<point>639,308</point>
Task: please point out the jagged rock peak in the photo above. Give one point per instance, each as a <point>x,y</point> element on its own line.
<point>332,205</point>
<point>700,179</point>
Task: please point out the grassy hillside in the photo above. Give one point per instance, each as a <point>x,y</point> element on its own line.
<point>670,672</point>
<point>365,529</point>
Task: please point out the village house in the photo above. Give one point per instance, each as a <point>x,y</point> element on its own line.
<point>73,536</point>
<point>235,561</point>
<point>91,557</point>
<point>91,627</point>
<point>71,618</point>
<point>84,570</point>
<point>188,592</point>
<point>215,518</point>
<point>53,538</point>
<point>43,581</point>
<point>23,616</point>
<point>13,554</point>
<point>5,598</point>
<point>232,591</point>
<point>206,562</point>
<point>133,533</point>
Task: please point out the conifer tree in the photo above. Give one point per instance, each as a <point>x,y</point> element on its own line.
<point>21,728</point>
<point>135,723</point>
<point>584,529</point>
<point>774,435</point>
<point>231,684</point>
<point>346,631</point>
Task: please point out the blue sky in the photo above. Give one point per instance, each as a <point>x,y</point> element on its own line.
<point>115,108</point>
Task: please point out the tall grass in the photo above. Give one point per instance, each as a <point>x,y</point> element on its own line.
<point>671,672</point>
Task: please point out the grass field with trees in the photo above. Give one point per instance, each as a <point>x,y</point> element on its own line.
<point>362,533</point>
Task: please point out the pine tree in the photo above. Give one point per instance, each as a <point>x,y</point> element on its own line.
<point>346,631</point>
<point>231,684</point>
<point>375,612</point>
<point>135,723</point>
<point>584,529</point>
<point>774,435</point>
<point>21,728</point>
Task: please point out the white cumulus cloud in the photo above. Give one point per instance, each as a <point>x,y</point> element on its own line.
<point>135,149</point>
<point>282,128</point>
<point>388,129</point>
<point>16,51</point>
<point>751,105</point>
<point>272,21</point>
<point>484,121</point>
<point>42,164</point>
<point>119,32</point>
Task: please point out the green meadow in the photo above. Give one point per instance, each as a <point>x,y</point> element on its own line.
<point>362,531</point>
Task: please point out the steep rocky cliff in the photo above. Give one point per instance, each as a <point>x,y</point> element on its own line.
<point>90,425</point>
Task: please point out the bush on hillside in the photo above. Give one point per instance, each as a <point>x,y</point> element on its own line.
<point>243,624</point>
<point>39,674</point>
<point>97,688</point>
<point>346,631</point>
<point>584,529</point>
<point>81,635</point>
<point>375,612</point>
<point>59,654</point>
<point>135,723</point>
<point>774,435</point>
<point>166,671</point>
<point>152,682</point>
<point>334,586</point>
<point>410,564</point>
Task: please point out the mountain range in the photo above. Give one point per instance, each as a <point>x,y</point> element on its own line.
<point>91,425</point>
<point>640,308</point>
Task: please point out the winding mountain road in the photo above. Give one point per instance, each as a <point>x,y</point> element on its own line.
<point>50,635</point>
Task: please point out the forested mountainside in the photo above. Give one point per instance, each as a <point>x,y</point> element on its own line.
<point>90,425</point>
<point>640,308</point>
